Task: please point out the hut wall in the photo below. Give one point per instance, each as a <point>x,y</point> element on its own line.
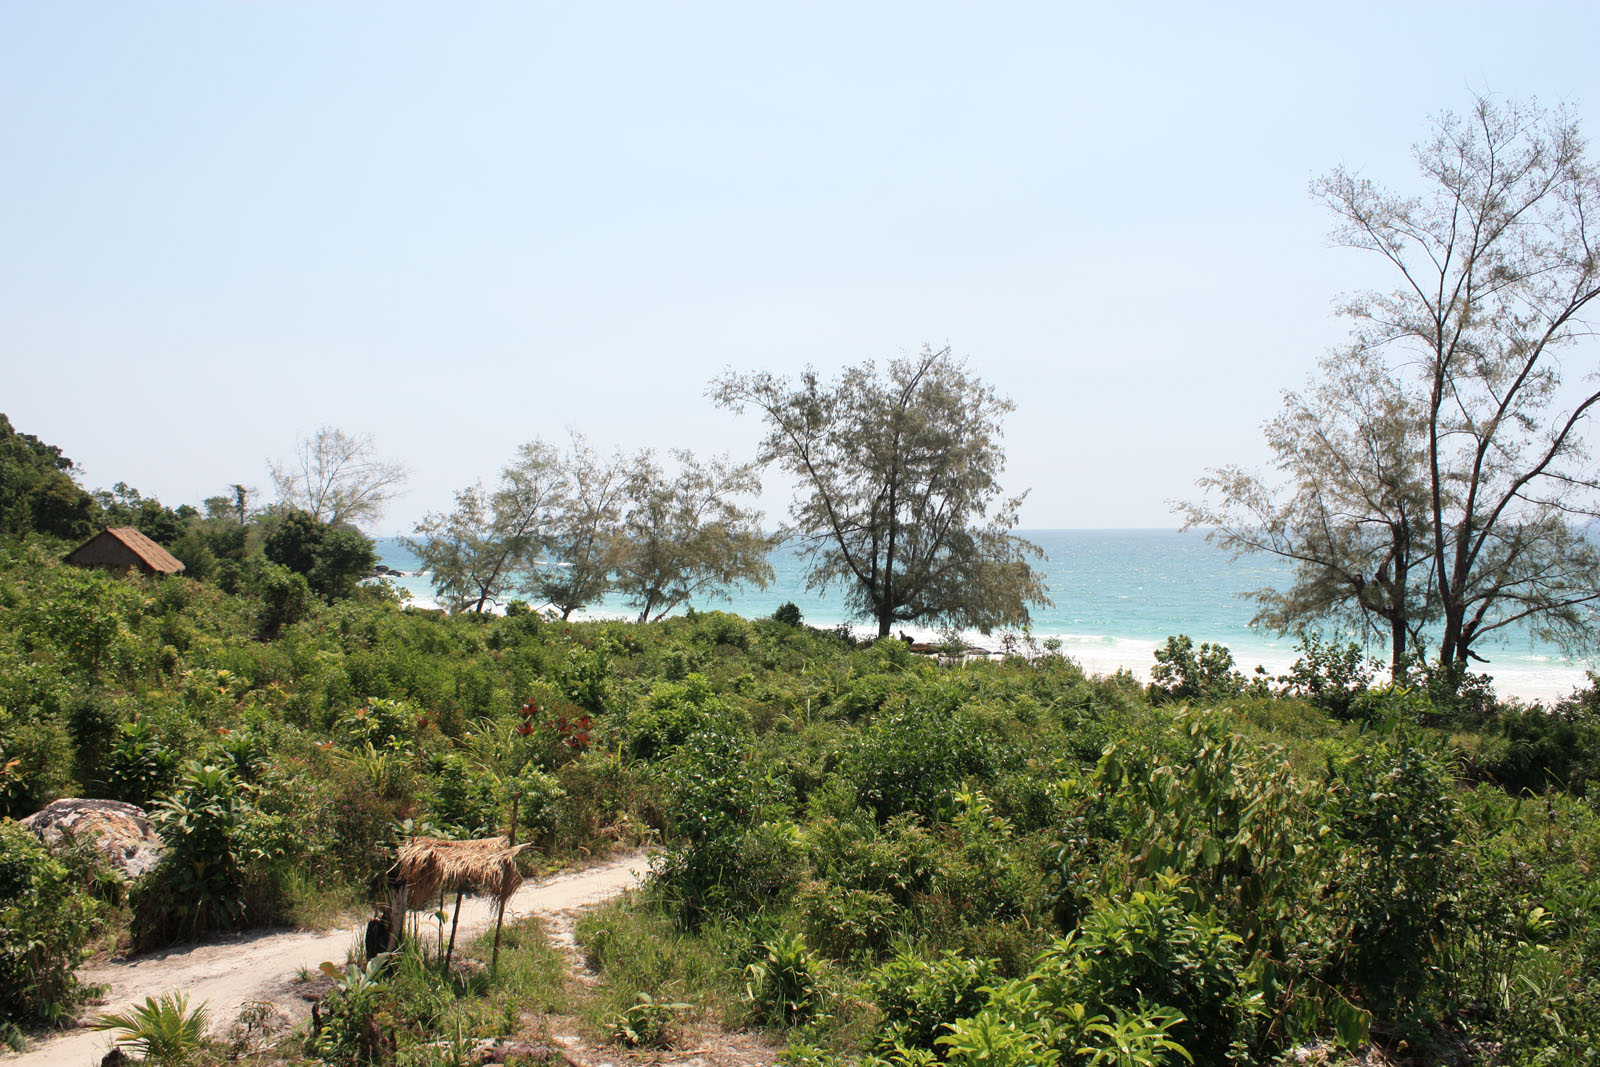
<point>107,553</point>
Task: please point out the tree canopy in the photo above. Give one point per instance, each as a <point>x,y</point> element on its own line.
<point>684,536</point>
<point>480,550</point>
<point>1351,511</point>
<point>899,498</point>
<point>569,527</point>
<point>37,492</point>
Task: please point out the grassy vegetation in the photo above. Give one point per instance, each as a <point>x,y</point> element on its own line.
<point>881,859</point>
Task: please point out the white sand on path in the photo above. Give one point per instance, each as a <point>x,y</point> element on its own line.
<point>263,967</point>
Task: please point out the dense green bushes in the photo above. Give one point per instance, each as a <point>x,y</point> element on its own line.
<point>896,847</point>
<point>47,915</point>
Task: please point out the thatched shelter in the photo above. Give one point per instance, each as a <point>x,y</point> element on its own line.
<point>124,549</point>
<point>429,866</point>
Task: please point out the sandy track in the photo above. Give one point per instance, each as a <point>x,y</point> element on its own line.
<point>227,975</point>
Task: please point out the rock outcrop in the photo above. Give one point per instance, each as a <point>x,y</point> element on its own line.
<point>121,831</point>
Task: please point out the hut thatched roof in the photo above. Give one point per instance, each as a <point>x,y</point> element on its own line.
<point>431,865</point>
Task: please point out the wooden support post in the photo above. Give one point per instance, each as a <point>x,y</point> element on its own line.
<point>454,922</point>
<point>500,909</point>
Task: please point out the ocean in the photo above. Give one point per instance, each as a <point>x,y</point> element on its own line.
<point>1117,595</point>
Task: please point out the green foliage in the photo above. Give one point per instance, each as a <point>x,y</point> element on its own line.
<point>919,997</point>
<point>784,986</point>
<point>37,492</point>
<point>35,764</point>
<point>1150,947</point>
<point>1392,803</point>
<point>166,1032</point>
<point>788,613</point>
<point>218,867</point>
<point>357,1015</point>
<point>138,767</point>
<point>899,490</point>
<point>684,537</point>
<point>332,559</point>
<point>1548,749</point>
<point>47,916</point>
<point>727,857</point>
<point>380,723</point>
<point>647,1022</point>
<point>465,799</point>
<point>1331,677</point>
<point>914,755</point>
<point>285,598</point>
<point>1185,674</point>
<point>669,715</point>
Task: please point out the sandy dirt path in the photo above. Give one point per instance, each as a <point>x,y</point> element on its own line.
<point>261,967</point>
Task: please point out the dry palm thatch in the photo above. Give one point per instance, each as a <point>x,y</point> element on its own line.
<point>430,866</point>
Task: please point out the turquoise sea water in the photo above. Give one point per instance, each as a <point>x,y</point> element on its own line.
<point>1117,595</point>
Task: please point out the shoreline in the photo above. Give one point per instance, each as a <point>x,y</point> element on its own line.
<point>1103,656</point>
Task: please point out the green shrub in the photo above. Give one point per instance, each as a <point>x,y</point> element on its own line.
<point>465,798</point>
<point>717,797</point>
<point>358,1017</point>
<point>217,869</point>
<point>47,916</point>
<point>1393,806</point>
<point>1185,674</point>
<point>35,764</point>
<point>647,1022</point>
<point>1330,676</point>
<point>784,986</point>
<point>138,767</point>
<point>671,713</point>
<point>1556,749</point>
<point>1148,947</point>
<point>847,923</point>
<point>915,754</point>
<point>788,613</point>
<point>919,998</point>
<point>380,723</point>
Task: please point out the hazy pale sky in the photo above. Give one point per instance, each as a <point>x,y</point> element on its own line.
<point>462,226</point>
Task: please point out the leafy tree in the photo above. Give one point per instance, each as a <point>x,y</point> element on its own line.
<point>899,495</point>
<point>684,537</point>
<point>47,916</point>
<point>332,559</point>
<point>337,477</point>
<point>36,488</point>
<point>477,552</point>
<point>345,556</point>
<point>1351,510</point>
<point>583,534</point>
<point>1184,672</point>
<point>230,505</point>
<point>294,541</point>
<point>123,505</point>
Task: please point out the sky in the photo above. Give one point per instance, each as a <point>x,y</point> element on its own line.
<point>459,227</point>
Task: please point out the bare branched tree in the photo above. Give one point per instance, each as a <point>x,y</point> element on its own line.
<point>1497,275</point>
<point>339,478</point>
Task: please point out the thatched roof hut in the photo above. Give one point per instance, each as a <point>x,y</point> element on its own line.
<point>123,548</point>
<point>428,866</point>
